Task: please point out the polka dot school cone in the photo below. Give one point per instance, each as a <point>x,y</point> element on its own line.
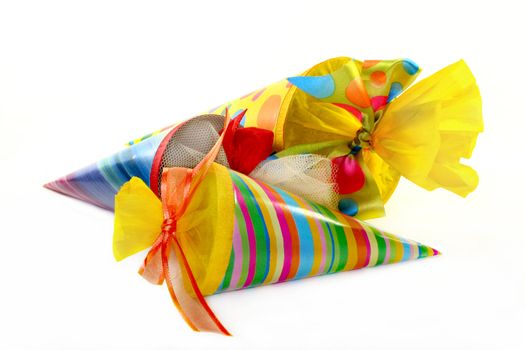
<point>359,116</point>
<point>344,133</point>
<point>215,230</point>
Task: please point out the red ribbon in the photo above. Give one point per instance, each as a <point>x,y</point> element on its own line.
<point>245,148</point>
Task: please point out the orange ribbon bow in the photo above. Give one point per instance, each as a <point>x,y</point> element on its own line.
<point>166,260</point>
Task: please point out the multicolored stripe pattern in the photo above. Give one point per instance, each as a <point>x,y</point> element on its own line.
<point>99,183</point>
<point>279,236</point>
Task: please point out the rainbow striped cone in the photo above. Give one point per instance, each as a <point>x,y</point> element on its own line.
<point>232,232</point>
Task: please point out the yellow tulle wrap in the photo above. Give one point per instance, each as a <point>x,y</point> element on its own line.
<point>425,132</point>
<point>421,135</point>
<point>205,230</point>
<point>138,218</point>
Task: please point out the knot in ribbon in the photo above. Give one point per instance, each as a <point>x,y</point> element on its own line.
<point>362,139</point>
<point>169,226</point>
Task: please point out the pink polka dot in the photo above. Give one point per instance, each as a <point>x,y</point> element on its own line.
<point>356,112</point>
<point>379,102</point>
<point>257,95</point>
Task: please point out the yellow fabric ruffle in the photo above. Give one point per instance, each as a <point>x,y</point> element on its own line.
<point>425,132</point>
<point>205,230</point>
<point>138,218</point>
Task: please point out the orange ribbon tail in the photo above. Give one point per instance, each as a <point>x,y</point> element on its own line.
<point>166,260</point>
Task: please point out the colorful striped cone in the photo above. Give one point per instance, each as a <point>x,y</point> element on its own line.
<point>278,236</point>
<point>227,231</point>
<point>98,183</point>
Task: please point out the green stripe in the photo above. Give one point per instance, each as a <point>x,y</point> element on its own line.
<point>381,246</point>
<point>259,228</point>
<point>341,244</point>
<point>229,270</point>
<point>423,251</point>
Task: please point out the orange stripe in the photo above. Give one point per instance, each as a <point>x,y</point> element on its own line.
<point>362,247</point>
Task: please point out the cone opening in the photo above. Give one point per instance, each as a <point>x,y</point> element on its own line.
<point>187,145</point>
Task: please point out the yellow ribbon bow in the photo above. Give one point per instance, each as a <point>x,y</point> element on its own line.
<point>425,132</point>
<point>142,221</point>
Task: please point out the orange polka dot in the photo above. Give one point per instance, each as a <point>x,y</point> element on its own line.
<point>370,63</point>
<point>356,93</point>
<point>378,78</point>
<point>268,113</point>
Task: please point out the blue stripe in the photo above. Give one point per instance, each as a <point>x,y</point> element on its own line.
<point>306,242</point>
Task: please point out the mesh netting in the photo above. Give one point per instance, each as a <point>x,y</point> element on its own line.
<point>192,141</point>
<point>307,175</point>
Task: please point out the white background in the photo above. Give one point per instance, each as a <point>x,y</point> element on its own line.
<point>78,79</point>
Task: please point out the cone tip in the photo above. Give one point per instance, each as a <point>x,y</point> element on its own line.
<point>50,186</point>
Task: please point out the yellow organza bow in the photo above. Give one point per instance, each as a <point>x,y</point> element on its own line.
<point>142,221</point>
<point>425,132</point>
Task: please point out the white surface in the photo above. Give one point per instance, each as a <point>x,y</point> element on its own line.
<point>77,79</point>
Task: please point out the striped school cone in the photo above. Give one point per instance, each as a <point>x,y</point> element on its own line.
<point>216,230</point>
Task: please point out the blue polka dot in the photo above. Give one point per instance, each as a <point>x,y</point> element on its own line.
<point>395,90</point>
<point>410,66</point>
<point>319,87</point>
<point>348,206</point>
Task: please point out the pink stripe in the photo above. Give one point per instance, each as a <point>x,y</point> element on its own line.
<point>256,96</point>
<point>322,265</point>
<point>84,195</point>
<point>413,249</point>
<point>287,241</point>
<point>65,187</point>
<point>237,250</point>
<point>251,237</point>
